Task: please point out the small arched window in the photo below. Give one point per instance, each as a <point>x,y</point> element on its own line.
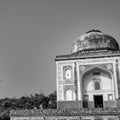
<point>97,85</point>
<point>70,95</point>
<point>96,73</point>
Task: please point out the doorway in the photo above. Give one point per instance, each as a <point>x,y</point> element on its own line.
<point>98,101</point>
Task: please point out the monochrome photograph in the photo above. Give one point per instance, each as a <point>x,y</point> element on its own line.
<point>59,60</point>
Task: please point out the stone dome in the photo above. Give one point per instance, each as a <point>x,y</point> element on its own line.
<point>94,40</point>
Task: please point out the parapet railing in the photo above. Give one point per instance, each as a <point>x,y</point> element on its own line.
<point>66,112</point>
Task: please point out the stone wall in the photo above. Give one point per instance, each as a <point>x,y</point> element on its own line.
<point>109,104</point>
<point>69,104</point>
<point>118,102</point>
<point>67,118</point>
<point>79,104</point>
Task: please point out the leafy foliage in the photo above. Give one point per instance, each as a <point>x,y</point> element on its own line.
<point>36,101</point>
<point>52,100</point>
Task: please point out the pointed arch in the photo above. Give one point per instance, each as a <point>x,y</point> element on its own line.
<point>96,68</point>
<point>89,79</point>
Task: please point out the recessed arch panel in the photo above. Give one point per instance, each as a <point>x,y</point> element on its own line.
<point>96,75</point>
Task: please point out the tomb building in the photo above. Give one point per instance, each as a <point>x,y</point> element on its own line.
<point>88,82</point>
<point>89,77</point>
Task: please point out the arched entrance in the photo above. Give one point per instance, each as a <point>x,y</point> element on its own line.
<point>96,83</point>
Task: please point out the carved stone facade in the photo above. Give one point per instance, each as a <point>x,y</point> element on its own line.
<point>89,78</point>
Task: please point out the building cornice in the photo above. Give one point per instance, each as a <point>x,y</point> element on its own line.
<point>88,55</point>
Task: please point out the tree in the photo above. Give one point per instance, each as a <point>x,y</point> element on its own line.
<point>52,100</point>
<point>38,101</point>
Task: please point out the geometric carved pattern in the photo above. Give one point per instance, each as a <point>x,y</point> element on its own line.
<point>60,92</point>
<point>69,104</point>
<point>82,68</point>
<point>67,72</point>
<point>109,66</point>
<point>69,92</point>
<point>59,72</point>
<point>69,87</point>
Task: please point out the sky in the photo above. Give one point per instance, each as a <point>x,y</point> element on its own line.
<point>34,32</point>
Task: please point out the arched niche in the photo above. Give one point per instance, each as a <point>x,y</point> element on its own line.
<point>96,76</point>
<point>69,95</point>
